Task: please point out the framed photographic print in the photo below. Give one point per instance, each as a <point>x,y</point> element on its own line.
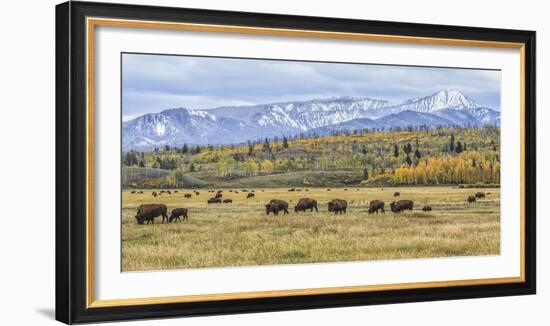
<point>213,162</point>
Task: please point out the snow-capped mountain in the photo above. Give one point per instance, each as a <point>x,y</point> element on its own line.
<point>237,124</point>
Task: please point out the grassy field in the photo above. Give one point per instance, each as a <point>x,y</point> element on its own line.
<point>240,234</point>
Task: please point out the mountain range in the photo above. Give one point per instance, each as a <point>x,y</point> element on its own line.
<point>238,124</point>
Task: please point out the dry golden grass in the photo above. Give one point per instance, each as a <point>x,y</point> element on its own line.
<point>240,234</point>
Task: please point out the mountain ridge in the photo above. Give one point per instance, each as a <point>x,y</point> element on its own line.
<point>238,124</point>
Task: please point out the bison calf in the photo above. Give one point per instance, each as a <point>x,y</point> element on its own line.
<point>427,208</point>
<point>471,199</point>
<point>177,212</point>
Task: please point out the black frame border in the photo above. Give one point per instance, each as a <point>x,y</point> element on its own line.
<point>71,157</point>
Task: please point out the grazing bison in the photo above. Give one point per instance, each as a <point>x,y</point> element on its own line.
<point>276,205</point>
<point>218,195</point>
<point>375,206</point>
<point>169,192</point>
<point>244,190</point>
<point>427,208</point>
<point>148,212</point>
<point>306,203</point>
<point>188,195</point>
<point>154,193</point>
<point>250,195</point>
<point>227,201</point>
<point>197,193</point>
<point>480,194</point>
<point>177,212</point>
<point>345,189</point>
<point>214,201</point>
<point>471,199</point>
<point>401,206</point>
<point>175,191</point>
<point>396,194</point>
<point>291,189</point>
<point>230,190</point>
<point>328,189</point>
<point>133,192</point>
<point>140,192</point>
<point>162,191</point>
<point>338,206</point>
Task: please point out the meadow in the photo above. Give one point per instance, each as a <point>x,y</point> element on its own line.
<point>241,234</point>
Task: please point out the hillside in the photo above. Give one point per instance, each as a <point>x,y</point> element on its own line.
<point>440,156</point>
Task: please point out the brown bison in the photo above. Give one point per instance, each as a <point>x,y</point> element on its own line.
<point>133,192</point>
<point>396,194</point>
<point>197,193</point>
<point>169,192</point>
<point>218,195</point>
<point>338,206</point>
<point>250,195</point>
<point>154,193</point>
<point>177,212</point>
<point>306,203</point>
<point>375,206</point>
<point>227,201</point>
<point>427,208</point>
<point>276,205</point>
<point>292,189</point>
<point>471,199</point>
<point>148,212</point>
<point>401,206</point>
<point>480,194</point>
<point>187,195</point>
<point>214,201</point>
<point>175,191</point>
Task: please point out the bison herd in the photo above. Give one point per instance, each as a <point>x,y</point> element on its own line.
<point>148,212</point>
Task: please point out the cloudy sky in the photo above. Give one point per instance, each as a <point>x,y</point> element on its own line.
<point>152,83</point>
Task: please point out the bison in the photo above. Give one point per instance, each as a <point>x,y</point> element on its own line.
<point>154,193</point>
<point>177,212</point>
<point>227,201</point>
<point>197,193</point>
<point>276,205</point>
<point>375,206</point>
<point>133,192</point>
<point>148,212</point>
<point>401,205</point>
<point>169,192</point>
<point>427,208</point>
<point>480,195</point>
<point>250,195</point>
<point>188,195</point>
<point>218,195</point>
<point>338,206</point>
<point>214,201</point>
<point>306,203</point>
<point>471,199</point>
<point>396,194</point>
